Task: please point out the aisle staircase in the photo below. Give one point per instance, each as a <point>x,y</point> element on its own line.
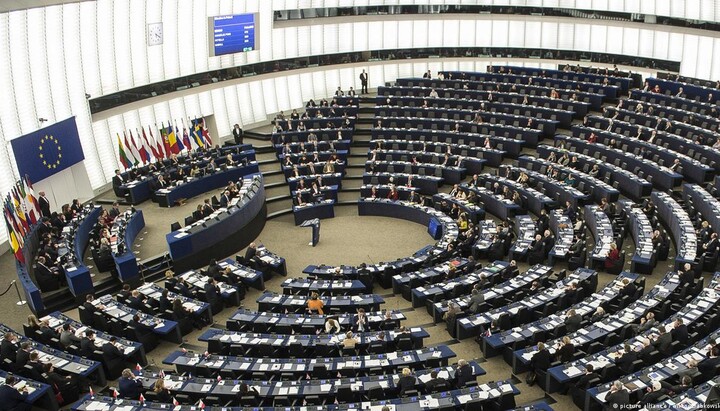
<point>279,201</point>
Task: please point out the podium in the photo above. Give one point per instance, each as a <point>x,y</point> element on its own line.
<point>315,224</point>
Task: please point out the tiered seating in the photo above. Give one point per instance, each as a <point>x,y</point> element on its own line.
<point>602,231</point>
<point>562,226</point>
<point>498,295</point>
<point>470,157</point>
<point>65,363</point>
<point>525,230</point>
<point>549,318</point>
<point>700,202</point>
<point>436,292</point>
<point>611,329</point>
<point>123,314</point>
<point>405,283</point>
<point>522,308</point>
<point>645,257</point>
<point>496,395</point>
<point>592,186</point>
<point>660,176</point>
<point>523,88</point>
<point>680,225</point>
<point>564,73</point>
<point>226,342</point>
<point>627,182</point>
<point>556,190</point>
<point>255,321</point>
<point>684,138</point>
<point>528,129</point>
<point>690,168</point>
<point>532,199</point>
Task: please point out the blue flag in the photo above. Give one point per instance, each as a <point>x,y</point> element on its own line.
<point>49,150</point>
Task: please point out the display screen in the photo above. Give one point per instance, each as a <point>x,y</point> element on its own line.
<point>234,33</point>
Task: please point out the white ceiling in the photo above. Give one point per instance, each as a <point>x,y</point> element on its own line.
<point>11,5</point>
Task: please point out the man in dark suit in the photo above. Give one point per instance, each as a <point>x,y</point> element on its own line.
<point>625,361</point>
<point>23,355</point>
<point>663,341</point>
<point>359,323</point>
<point>237,134</point>
<point>653,394</point>
<point>570,211</point>
<point>572,321</point>
<point>183,289</point>
<point>463,374</point>
<point>117,181</point>
<point>679,332</point>
<point>114,210</point>
<point>9,347</point>
<point>548,242</point>
<point>136,300</point>
<point>197,215</point>
<point>646,352</point>
<point>12,399</point>
<point>212,293</point>
<point>363,82</point>
<point>617,397</point>
<point>542,358</point>
<point>436,383</point>
<point>44,204</point>
<point>708,366</point>
<point>537,252</point>
<point>36,365</point>
<point>87,344</point>
<point>207,208</point>
<point>113,357</point>
<point>687,275</point>
<point>628,288</point>
<point>139,326</point>
<point>577,390</point>
<point>128,386</point>
<point>225,199</point>
<point>125,293</point>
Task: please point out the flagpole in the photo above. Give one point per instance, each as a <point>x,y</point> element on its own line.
<point>20,300</point>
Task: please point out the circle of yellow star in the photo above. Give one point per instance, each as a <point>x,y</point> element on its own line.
<point>50,140</point>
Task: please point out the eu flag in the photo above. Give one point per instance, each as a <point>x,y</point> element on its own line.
<point>49,150</point>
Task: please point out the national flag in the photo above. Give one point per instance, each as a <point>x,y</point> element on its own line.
<point>186,138</point>
<point>166,143</point>
<point>135,149</point>
<point>219,378</point>
<point>157,143</point>
<point>143,151</point>
<point>142,398</point>
<point>92,393</point>
<point>206,133</point>
<point>30,191</point>
<point>147,143</point>
<point>175,402</point>
<point>19,211</point>
<point>14,243</point>
<point>201,404</point>
<point>128,152</point>
<point>162,373</point>
<point>196,133</point>
<point>27,205</point>
<point>172,139</point>
<point>124,160</point>
<point>17,226</point>
<point>180,144</point>
<point>115,393</point>
<point>138,367</point>
<point>17,222</point>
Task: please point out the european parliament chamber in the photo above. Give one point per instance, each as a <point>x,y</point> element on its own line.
<point>360,205</point>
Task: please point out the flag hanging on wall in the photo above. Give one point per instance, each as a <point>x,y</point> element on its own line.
<point>49,150</point>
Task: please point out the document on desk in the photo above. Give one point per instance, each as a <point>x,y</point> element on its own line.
<point>181,234</point>
<point>430,403</point>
